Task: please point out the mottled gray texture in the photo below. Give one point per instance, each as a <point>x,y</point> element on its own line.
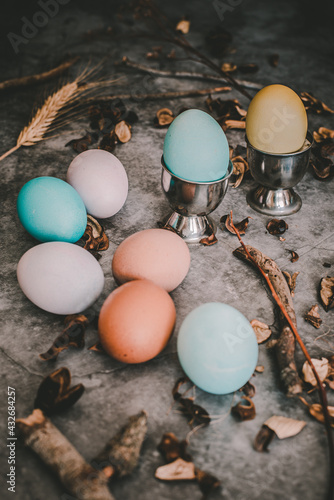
<point>295,468</point>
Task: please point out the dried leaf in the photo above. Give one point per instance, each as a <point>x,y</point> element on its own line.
<point>55,394</point>
<point>327,293</point>
<point>284,427</point>
<point>248,389</point>
<point>230,113</point>
<point>207,482</point>
<point>248,68</point>
<point>94,236</point>
<point>164,117</point>
<point>277,226</point>
<point>80,145</point>
<point>123,131</point>
<point>316,411</point>
<point>210,239</point>
<point>72,336</point>
<point>294,256</point>
<point>179,470</point>
<point>313,316</point>
<point>291,281</point>
<point>263,438</point>
<point>273,60</point>
<point>314,105</point>
<point>97,348</point>
<point>245,411</point>
<point>225,221</point>
<point>197,414</point>
<point>261,330</point>
<point>171,448</point>
<point>259,369</point>
<point>108,142</point>
<point>323,134</point>
<point>321,366</point>
<point>228,67</point>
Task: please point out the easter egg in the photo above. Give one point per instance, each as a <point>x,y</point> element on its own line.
<point>101,180</point>
<point>217,348</point>
<point>51,210</point>
<point>136,321</point>
<point>195,147</point>
<point>154,254</point>
<point>276,120</point>
<point>60,277</point>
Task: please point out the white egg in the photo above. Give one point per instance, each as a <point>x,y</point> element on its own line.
<point>60,277</point>
<point>100,179</point>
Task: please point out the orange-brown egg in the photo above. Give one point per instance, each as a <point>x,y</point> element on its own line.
<point>136,321</point>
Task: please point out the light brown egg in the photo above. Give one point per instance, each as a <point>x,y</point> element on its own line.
<point>136,321</point>
<point>276,120</point>
<point>154,254</point>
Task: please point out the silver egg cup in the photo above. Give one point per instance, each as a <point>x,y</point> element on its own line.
<point>277,174</point>
<point>192,202</point>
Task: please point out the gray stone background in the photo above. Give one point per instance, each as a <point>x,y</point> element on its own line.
<point>301,33</point>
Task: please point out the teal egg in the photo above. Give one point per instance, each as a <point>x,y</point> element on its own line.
<point>51,210</point>
<point>196,148</point>
<point>217,348</point>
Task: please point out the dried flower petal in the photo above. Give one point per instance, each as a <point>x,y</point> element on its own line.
<point>225,221</point>
<point>210,239</point>
<point>284,427</point>
<point>95,238</point>
<point>277,226</point>
<point>316,411</point>
<point>207,482</point>
<point>234,124</point>
<point>327,293</point>
<point>171,448</point>
<point>248,389</point>
<point>183,26</point>
<point>228,67</point>
<point>179,470</point>
<point>245,411</point>
<point>261,330</point>
<point>240,167</point>
<point>97,347</point>
<point>197,414</point>
<point>322,134</point>
<point>80,145</point>
<point>313,316</point>
<point>263,438</point>
<point>164,117</point>
<point>294,256</point>
<point>314,105</point>
<point>291,281</point>
<point>321,366</point>
<point>108,142</point>
<point>259,369</point>
<point>55,394</point>
<point>123,131</point>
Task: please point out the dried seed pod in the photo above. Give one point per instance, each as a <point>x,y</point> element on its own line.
<point>123,131</point>
<point>164,117</point>
<point>245,411</point>
<point>277,226</point>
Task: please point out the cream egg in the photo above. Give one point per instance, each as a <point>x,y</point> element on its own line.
<point>276,120</point>
<point>136,321</point>
<point>101,181</point>
<point>60,277</point>
<point>154,254</point>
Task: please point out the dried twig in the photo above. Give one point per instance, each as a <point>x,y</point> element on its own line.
<point>166,95</point>
<point>322,393</point>
<point>185,74</point>
<point>24,81</point>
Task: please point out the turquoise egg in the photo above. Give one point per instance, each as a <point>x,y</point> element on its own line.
<point>51,210</point>
<point>217,348</point>
<point>196,148</point>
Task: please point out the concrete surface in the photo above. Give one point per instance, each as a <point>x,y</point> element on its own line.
<point>296,468</point>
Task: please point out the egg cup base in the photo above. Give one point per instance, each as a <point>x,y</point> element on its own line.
<point>275,202</point>
<point>192,229</point>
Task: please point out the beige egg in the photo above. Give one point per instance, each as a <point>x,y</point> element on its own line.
<point>154,254</point>
<point>136,321</point>
<point>276,120</point>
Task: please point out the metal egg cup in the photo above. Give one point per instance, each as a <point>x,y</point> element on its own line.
<point>277,174</point>
<point>192,202</point>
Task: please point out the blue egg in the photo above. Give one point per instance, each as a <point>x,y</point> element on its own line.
<point>196,148</point>
<point>51,210</point>
<point>217,348</point>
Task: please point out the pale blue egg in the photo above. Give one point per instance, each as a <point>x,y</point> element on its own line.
<point>51,210</point>
<point>196,148</point>
<point>217,348</point>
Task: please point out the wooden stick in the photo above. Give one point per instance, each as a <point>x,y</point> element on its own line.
<point>322,392</point>
<point>39,78</point>
<point>164,95</point>
<point>285,347</point>
<point>78,477</point>
<point>184,74</point>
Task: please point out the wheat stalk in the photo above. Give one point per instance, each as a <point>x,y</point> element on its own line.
<point>54,112</point>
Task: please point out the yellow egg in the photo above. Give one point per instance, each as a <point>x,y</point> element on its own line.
<point>276,120</point>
